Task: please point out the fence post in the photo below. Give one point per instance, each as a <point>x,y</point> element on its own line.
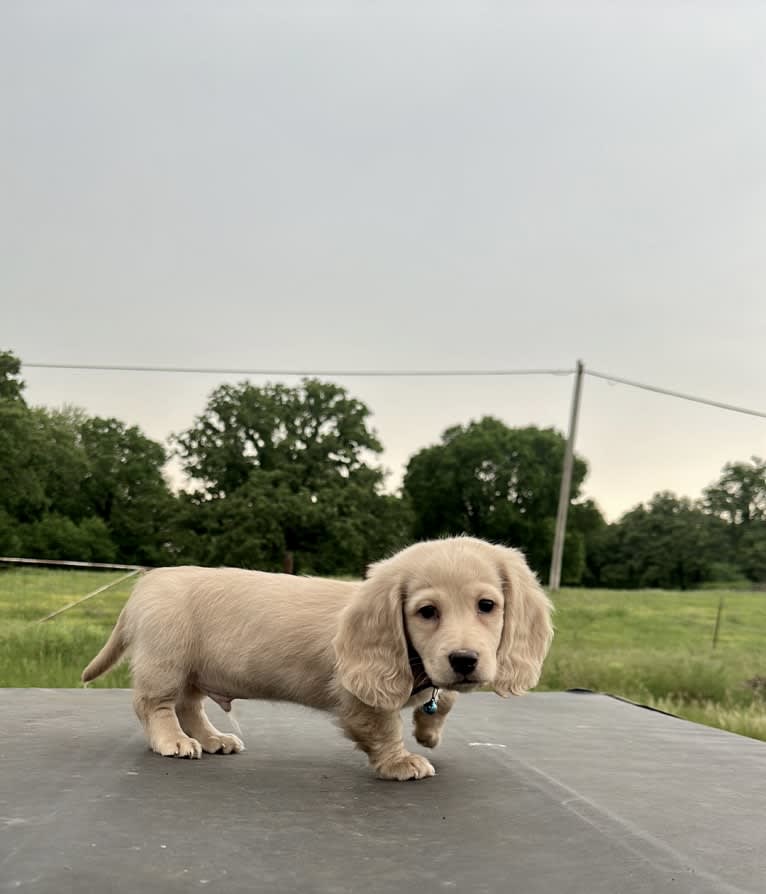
<point>718,621</point>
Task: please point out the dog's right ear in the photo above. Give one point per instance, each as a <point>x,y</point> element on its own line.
<point>372,662</point>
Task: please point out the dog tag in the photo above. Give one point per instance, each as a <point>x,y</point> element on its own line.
<point>432,705</point>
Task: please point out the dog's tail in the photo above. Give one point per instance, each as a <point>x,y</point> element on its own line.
<point>110,654</point>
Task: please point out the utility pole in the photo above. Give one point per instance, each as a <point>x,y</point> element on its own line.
<point>554,581</point>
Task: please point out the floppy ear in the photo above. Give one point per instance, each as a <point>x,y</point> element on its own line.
<point>370,646</point>
<point>527,627</point>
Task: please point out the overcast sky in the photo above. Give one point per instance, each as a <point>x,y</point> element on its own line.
<point>397,185</point>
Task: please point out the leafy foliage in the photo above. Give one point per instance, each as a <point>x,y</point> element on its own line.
<point>286,478</point>
<point>78,487</point>
<point>313,434</point>
<point>284,474</point>
<point>11,383</point>
<point>669,543</point>
<point>499,483</point>
<point>739,495</point>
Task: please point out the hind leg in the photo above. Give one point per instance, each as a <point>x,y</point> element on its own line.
<point>154,699</point>
<point>195,722</point>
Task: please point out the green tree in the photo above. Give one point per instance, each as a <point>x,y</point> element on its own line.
<point>586,520</point>
<point>123,485</point>
<point>751,555</point>
<point>739,498</point>
<point>313,432</point>
<point>499,483</point>
<point>42,464</point>
<point>739,495</point>
<point>76,486</point>
<point>22,494</point>
<point>55,536</point>
<point>22,447</point>
<point>61,464</point>
<point>66,469</point>
<point>10,542</point>
<point>11,383</point>
<point>669,543</point>
<point>285,472</point>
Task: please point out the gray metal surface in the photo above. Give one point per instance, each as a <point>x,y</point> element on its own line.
<point>549,793</point>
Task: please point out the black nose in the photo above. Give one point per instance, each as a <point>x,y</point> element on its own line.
<point>464,661</point>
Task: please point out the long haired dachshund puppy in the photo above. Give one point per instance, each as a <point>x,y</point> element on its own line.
<point>450,615</point>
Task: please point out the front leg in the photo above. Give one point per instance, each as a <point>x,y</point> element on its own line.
<point>379,734</point>
<point>428,727</point>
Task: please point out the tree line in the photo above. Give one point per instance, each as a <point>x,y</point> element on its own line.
<point>287,478</point>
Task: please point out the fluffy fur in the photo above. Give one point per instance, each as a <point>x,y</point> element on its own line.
<point>355,649</point>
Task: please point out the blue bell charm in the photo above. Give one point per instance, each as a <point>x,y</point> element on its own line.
<point>432,705</point>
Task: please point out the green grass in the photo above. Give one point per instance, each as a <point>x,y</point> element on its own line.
<point>649,646</point>
<point>53,653</point>
<point>655,648</point>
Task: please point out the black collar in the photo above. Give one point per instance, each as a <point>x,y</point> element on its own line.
<point>420,680</point>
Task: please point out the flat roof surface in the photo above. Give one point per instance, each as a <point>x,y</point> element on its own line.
<point>555,792</point>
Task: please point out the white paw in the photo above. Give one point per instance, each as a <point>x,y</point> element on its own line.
<point>178,746</point>
<point>430,738</point>
<point>408,766</point>
<point>222,744</point>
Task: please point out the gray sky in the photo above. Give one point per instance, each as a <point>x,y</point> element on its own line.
<point>349,184</point>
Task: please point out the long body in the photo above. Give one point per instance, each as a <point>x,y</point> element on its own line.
<point>236,633</point>
<point>471,613</point>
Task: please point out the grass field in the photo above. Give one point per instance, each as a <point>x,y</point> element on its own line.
<point>655,647</point>
<point>53,654</point>
<point>649,646</point>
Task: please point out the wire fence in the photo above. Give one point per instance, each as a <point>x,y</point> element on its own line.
<point>132,571</point>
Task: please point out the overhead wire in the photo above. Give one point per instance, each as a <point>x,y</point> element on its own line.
<point>394,373</point>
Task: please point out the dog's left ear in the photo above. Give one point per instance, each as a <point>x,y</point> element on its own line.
<point>527,627</point>
<point>370,646</point>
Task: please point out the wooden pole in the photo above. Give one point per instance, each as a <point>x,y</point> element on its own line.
<point>554,581</point>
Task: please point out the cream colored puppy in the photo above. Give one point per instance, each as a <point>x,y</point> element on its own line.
<point>453,614</point>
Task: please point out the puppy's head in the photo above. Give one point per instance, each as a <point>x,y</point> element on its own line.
<point>473,614</point>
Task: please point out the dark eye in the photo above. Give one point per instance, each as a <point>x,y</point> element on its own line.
<point>486,606</point>
<point>428,612</point>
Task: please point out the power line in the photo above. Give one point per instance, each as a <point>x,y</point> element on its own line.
<point>395,373</point>
<point>339,373</point>
<point>565,487</point>
<point>690,397</point>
